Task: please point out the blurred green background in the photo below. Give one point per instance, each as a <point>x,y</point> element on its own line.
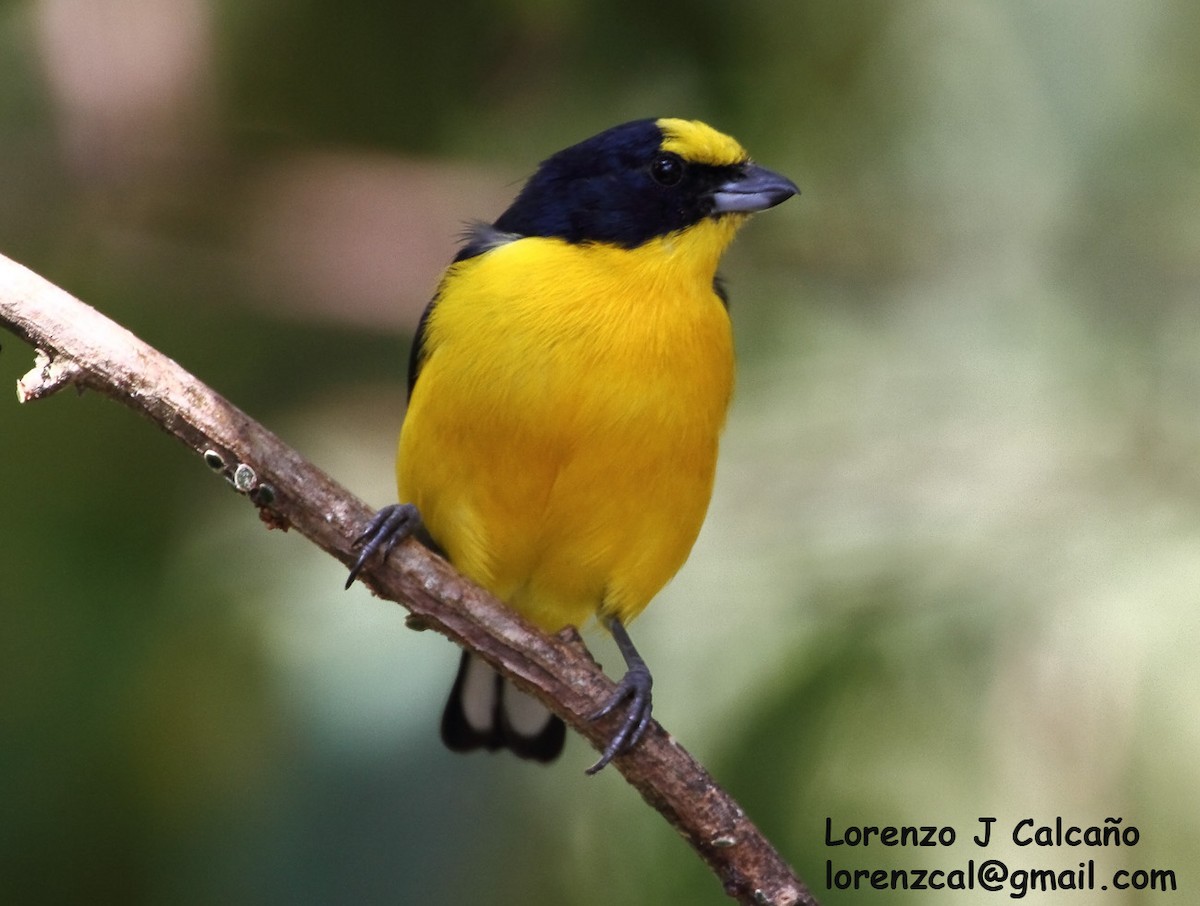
<point>953,561</point>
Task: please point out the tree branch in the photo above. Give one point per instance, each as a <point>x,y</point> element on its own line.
<point>78,346</point>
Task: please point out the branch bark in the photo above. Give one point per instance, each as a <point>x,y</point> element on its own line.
<point>77,346</point>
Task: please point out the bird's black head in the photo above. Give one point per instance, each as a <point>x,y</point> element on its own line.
<point>641,180</point>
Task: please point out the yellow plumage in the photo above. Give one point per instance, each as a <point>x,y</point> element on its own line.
<point>560,445</point>
<point>699,142</point>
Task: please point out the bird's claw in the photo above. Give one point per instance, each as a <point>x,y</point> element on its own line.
<point>635,688</point>
<point>387,528</point>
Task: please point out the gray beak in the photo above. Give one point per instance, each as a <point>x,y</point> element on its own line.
<point>754,189</point>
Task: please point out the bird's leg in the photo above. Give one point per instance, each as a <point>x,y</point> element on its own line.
<point>634,687</point>
<point>387,528</point>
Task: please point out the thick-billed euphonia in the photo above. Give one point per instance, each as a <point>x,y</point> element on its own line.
<point>567,389</point>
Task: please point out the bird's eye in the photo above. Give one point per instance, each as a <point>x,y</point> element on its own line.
<point>667,169</point>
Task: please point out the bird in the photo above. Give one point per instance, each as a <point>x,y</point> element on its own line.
<point>568,385</point>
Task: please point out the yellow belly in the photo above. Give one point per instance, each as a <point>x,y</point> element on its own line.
<point>559,445</point>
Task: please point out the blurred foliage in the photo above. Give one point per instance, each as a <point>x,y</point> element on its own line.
<point>952,562</point>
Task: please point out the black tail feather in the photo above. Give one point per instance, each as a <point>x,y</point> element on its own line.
<point>482,693</point>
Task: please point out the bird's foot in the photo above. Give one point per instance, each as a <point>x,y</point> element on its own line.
<point>387,528</point>
<point>633,688</point>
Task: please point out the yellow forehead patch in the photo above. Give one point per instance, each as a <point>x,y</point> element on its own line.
<point>696,141</point>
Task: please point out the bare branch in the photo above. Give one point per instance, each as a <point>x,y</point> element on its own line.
<point>78,346</point>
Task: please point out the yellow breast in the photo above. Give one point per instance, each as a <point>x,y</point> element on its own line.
<point>562,437</point>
